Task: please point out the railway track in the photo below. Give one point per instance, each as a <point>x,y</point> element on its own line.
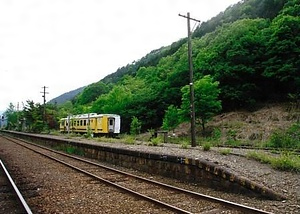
<point>267,149</point>
<point>169,197</point>
<point>12,200</point>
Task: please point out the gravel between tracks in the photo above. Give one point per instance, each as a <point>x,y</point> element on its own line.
<point>44,177</point>
<point>285,183</point>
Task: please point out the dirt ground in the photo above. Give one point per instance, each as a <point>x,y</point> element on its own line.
<point>248,126</point>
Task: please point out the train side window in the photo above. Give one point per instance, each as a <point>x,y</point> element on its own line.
<point>84,122</point>
<point>81,122</point>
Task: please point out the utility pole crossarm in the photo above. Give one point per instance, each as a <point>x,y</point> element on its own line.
<point>44,93</point>
<point>196,20</point>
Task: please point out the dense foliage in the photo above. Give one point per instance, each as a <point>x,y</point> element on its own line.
<point>250,52</point>
<point>206,100</point>
<point>33,118</point>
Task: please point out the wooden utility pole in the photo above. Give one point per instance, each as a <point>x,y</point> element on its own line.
<point>192,95</point>
<point>44,103</point>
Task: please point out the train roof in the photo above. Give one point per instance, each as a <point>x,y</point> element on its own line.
<point>90,115</point>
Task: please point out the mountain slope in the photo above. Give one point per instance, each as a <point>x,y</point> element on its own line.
<point>251,49</point>
<point>66,96</point>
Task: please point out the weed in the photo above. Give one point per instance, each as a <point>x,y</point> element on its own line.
<point>206,146</point>
<point>55,132</point>
<point>129,139</point>
<point>289,138</point>
<point>185,144</point>
<point>284,161</point>
<point>225,151</point>
<point>155,141</point>
<point>231,134</point>
<point>217,134</point>
<point>259,156</point>
<point>89,134</point>
<point>233,142</point>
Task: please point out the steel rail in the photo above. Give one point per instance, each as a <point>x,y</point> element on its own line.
<point>223,202</point>
<point>16,190</point>
<point>155,201</point>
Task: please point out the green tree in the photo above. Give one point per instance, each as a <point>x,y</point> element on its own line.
<point>234,56</point>
<point>171,118</point>
<point>113,102</point>
<point>12,117</point>
<point>33,116</point>
<point>283,50</point>
<point>92,92</point>
<point>206,100</point>
<point>135,126</point>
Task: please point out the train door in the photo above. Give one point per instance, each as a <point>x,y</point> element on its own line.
<point>111,125</point>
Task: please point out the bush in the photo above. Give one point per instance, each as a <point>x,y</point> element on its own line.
<point>217,134</point>
<point>206,146</point>
<point>74,150</point>
<point>289,138</point>
<point>135,126</point>
<point>89,133</point>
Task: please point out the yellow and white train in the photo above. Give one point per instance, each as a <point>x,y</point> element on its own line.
<point>98,124</point>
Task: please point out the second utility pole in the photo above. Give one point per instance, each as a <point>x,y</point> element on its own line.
<point>192,96</point>
<point>44,105</point>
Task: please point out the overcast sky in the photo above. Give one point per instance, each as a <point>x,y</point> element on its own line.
<point>66,44</point>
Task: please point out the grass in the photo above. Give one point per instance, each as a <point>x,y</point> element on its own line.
<point>206,146</point>
<point>289,138</point>
<point>285,161</point>
<point>185,144</point>
<point>70,149</point>
<point>128,139</point>
<point>157,141</point>
<point>107,139</point>
<point>225,151</point>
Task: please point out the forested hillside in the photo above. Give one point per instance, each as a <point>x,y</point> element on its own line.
<point>247,55</point>
<point>251,51</point>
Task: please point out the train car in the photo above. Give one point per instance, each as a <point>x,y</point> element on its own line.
<point>97,124</point>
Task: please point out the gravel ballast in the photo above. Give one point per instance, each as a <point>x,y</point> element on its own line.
<point>46,177</point>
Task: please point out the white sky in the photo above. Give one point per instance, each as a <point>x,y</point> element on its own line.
<point>66,44</point>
